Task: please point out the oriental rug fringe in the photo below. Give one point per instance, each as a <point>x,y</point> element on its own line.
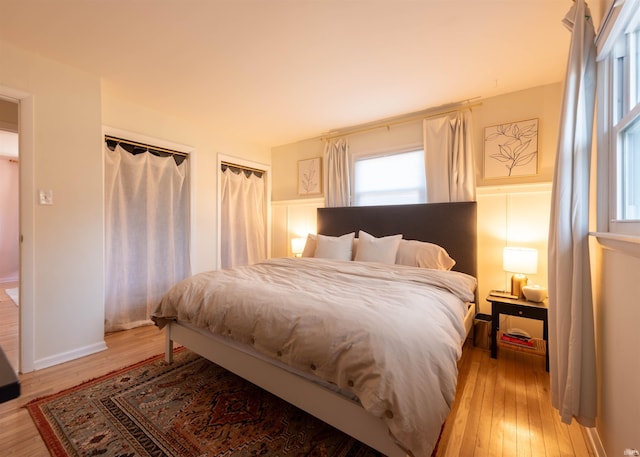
<point>189,408</point>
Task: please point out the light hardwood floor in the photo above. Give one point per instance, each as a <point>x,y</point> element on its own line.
<point>502,406</point>
<point>9,324</point>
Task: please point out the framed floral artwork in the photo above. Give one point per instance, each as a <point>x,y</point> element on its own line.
<point>310,176</point>
<point>511,150</point>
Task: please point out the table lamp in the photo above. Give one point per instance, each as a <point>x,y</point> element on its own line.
<point>520,262</point>
<point>297,246</point>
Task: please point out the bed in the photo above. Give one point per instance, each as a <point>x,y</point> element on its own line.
<point>345,393</point>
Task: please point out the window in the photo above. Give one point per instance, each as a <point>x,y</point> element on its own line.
<point>619,116</point>
<point>390,179</point>
<point>629,173</point>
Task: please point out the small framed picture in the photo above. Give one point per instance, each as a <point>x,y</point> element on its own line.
<point>511,150</point>
<point>310,176</point>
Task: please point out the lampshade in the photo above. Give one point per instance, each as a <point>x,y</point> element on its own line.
<point>297,245</point>
<point>520,260</point>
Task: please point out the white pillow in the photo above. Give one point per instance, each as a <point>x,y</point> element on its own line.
<point>424,255</point>
<point>372,249</point>
<point>334,247</point>
<point>310,246</point>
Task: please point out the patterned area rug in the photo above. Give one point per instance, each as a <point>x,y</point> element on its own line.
<point>189,408</point>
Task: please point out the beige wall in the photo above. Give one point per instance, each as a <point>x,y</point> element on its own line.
<point>542,103</point>
<point>292,219</point>
<point>516,215</point>
<point>284,166</point>
<point>62,271</point>
<point>617,287</point>
<point>515,211</point>
<point>539,102</point>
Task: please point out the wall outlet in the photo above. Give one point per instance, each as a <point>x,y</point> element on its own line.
<point>45,197</point>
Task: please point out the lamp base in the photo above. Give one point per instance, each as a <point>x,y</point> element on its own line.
<point>518,281</point>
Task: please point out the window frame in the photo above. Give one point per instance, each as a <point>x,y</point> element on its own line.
<point>618,109</point>
<point>354,157</point>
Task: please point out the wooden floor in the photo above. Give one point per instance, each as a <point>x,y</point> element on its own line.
<point>9,324</point>
<point>502,407</point>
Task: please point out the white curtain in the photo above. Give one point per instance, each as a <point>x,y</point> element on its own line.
<point>571,330</point>
<point>449,159</point>
<point>9,196</point>
<point>243,219</point>
<point>338,181</point>
<point>147,234</point>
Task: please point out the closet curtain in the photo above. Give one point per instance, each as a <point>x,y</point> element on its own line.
<point>338,181</point>
<point>243,219</point>
<point>147,234</point>
<point>572,366</point>
<point>449,158</point>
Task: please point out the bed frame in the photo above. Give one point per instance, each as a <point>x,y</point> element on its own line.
<point>450,225</point>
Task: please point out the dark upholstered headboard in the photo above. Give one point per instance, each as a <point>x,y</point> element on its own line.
<point>450,225</point>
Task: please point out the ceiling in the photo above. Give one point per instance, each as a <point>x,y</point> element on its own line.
<point>278,71</point>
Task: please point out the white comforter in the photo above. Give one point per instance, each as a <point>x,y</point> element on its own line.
<point>391,334</point>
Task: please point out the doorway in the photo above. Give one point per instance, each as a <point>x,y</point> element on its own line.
<point>9,231</point>
<point>27,194</point>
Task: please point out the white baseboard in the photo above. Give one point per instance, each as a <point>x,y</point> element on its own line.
<point>69,355</point>
<point>9,279</point>
<point>594,441</point>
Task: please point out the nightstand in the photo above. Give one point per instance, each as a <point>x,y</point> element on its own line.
<point>520,308</point>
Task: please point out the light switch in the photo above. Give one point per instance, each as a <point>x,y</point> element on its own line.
<point>45,197</point>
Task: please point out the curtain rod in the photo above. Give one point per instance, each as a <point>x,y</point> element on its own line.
<point>403,119</point>
<point>241,167</point>
<point>146,146</point>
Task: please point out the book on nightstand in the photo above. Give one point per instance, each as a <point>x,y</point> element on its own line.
<point>518,341</point>
<point>502,294</point>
